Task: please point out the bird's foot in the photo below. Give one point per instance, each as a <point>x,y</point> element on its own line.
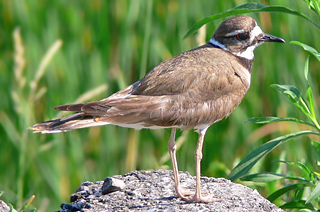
<point>190,196</point>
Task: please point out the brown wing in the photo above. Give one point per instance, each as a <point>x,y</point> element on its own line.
<point>187,91</point>
<point>211,70</point>
<point>176,75</point>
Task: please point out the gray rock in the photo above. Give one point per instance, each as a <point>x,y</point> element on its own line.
<point>154,191</point>
<point>111,185</point>
<point>4,207</point>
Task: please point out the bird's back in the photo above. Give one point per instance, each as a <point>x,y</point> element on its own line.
<point>195,88</point>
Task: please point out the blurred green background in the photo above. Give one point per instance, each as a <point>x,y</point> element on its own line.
<point>107,45</point>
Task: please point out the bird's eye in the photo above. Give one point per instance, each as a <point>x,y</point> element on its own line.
<point>243,36</point>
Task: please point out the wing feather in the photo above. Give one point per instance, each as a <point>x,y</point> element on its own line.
<point>192,89</point>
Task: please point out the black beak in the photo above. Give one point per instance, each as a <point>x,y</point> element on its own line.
<point>271,38</point>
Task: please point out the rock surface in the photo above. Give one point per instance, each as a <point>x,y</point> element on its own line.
<point>4,207</point>
<point>154,191</point>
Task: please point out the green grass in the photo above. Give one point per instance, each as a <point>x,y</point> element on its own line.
<point>113,43</point>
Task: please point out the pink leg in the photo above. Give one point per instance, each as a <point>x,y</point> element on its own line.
<point>198,156</point>
<point>172,152</point>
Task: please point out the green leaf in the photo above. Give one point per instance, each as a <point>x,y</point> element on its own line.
<point>306,68</point>
<point>311,175</point>
<point>27,202</point>
<point>295,96</point>
<point>298,205</point>
<point>305,210</point>
<point>10,129</point>
<point>305,168</point>
<point>315,6</point>
<point>289,90</point>
<point>298,165</point>
<point>253,157</point>
<point>308,48</point>
<point>263,177</point>
<point>314,194</point>
<point>290,163</point>
<point>286,189</point>
<point>310,101</point>
<point>298,194</point>
<point>310,95</point>
<point>11,208</point>
<point>269,177</point>
<point>248,8</point>
<point>272,119</point>
<point>315,149</point>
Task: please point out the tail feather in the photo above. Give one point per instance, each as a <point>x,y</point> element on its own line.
<point>133,112</point>
<point>74,121</point>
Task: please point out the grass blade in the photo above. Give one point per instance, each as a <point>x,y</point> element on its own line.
<point>306,68</point>
<point>310,101</point>
<point>316,151</point>
<point>269,177</point>
<point>315,7</point>
<point>295,96</point>
<point>253,157</point>
<point>19,58</point>
<point>314,194</point>
<point>45,62</point>
<point>307,48</point>
<point>310,95</point>
<point>11,208</point>
<point>146,40</point>
<point>248,8</point>
<point>286,189</point>
<point>10,128</point>
<point>308,173</point>
<point>298,205</point>
<point>27,202</point>
<point>272,119</point>
<point>305,168</point>
<point>309,90</point>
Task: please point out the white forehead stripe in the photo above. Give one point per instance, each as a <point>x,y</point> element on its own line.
<point>255,32</point>
<point>216,43</point>
<point>234,33</point>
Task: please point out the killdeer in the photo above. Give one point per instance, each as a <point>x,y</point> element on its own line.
<point>192,90</point>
